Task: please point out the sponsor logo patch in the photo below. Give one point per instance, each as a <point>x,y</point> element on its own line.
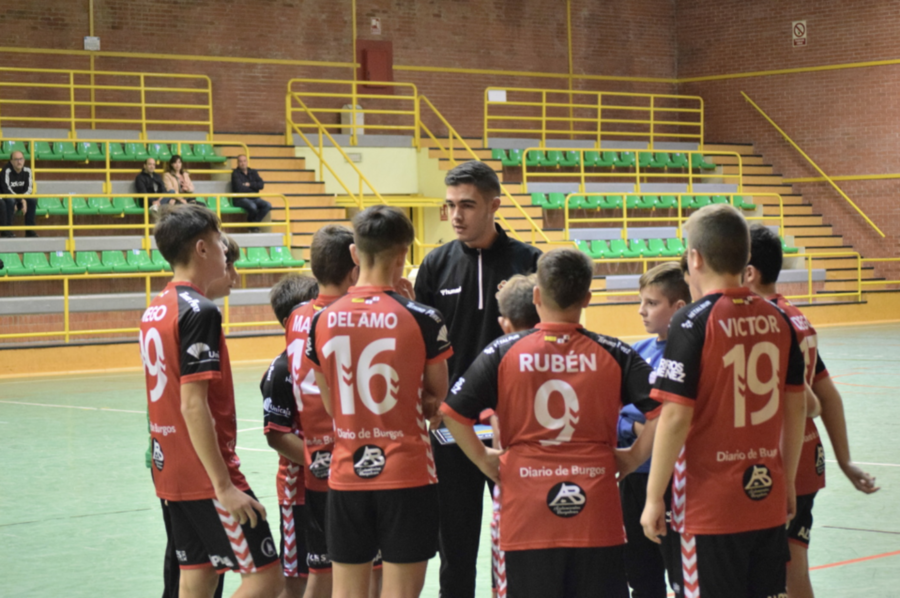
<point>159,460</point>
<point>566,499</point>
<point>320,465</point>
<point>270,407</point>
<point>368,461</point>
<point>671,370</point>
<point>820,459</point>
<point>757,482</point>
<point>268,548</point>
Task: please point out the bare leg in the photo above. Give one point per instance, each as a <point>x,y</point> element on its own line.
<point>294,587</point>
<point>798,583</point>
<point>375,587</point>
<point>198,583</point>
<point>351,581</point>
<point>267,583</point>
<point>403,581</point>
<point>318,585</point>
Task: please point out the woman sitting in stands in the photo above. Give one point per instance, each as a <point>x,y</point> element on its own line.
<point>177,178</point>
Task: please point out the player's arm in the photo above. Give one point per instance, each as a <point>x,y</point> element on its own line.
<point>813,406</point>
<point>671,433</point>
<point>199,422</point>
<point>794,418</point>
<point>324,392</point>
<point>629,459</point>
<point>287,444</point>
<point>638,406</point>
<point>487,460</point>
<point>435,384</point>
<point>836,426</point>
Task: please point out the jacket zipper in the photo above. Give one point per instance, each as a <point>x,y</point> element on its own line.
<point>480,286</point>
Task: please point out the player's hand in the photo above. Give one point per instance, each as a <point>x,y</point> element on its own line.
<point>861,480</point>
<point>241,506</point>
<point>653,520</point>
<point>405,288</point>
<point>625,462</point>
<point>434,422</point>
<point>490,465</point>
<point>791,501</point>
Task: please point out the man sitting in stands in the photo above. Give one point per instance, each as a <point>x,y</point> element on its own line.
<point>147,181</point>
<point>15,179</point>
<point>244,178</point>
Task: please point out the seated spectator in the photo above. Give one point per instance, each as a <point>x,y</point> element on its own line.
<point>176,177</point>
<point>15,179</point>
<point>147,181</point>
<point>244,178</point>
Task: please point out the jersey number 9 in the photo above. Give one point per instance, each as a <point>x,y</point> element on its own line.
<point>155,367</point>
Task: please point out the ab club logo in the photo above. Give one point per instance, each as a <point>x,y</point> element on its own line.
<point>566,499</point>
<point>368,461</point>
<point>321,464</point>
<point>757,482</point>
<point>158,458</point>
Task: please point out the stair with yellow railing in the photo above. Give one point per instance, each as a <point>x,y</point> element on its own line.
<point>310,207</point>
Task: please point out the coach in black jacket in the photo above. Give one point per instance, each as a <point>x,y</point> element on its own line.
<point>15,179</point>
<point>461,280</point>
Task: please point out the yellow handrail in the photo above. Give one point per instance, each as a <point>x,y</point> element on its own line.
<point>813,164</point>
<point>639,172</point>
<point>135,82</point>
<point>107,169</point>
<point>453,134</point>
<point>594,126</point>
<point>808,263</point>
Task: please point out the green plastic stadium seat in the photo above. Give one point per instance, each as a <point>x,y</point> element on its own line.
<point>539,199</point>
<point>80,206</point>
<point>719,199</point>
<point>65,150</point>
<point>600,249</point>
<point>91,261</point>
<point>283,256</point>
<point>607,159</point>
<point>38,263</point>
<point>13,265</point>
<point>158,259</point>
<point>584,247</point>
<point>534,158</point>
<point>699,161</point>
<point>592,202</point>
<point>660,160</point>
<point>104,207</point>
<point>159,151</point>
<point>514,160</point>
<point>188,155</point>
<point>701,201</point>
<point>260,257</point>
<point>646,202</point>
<point>611,202</point>
<point>666,202</point>
<point>687,201</point>
<point>576,202</point>
<point>570,159</point>
<point>625,160</point>
<point>51,206</point>
<point>656,248</point>
<point>591,158</point>
<point>228,207</point>
<point>116,261</point>
<point>116,152</point>
<point>785,248</point>
<point>139,260</point>
<point>498,154</point>
<point>678,160</point>
<point>550,159</point>
<point>43,150</point>
<point>243,263</point>
<point>136,152</point>
<point>127,206</point>
<point>66,263</point>
<point>617,249</point>
<point>200,200</point>
<point>631,202</point>
<point>675,246</point>
<point>8,147</point>
<point>88,150</point>
<point>206,152</point>
<point>741,203</point>
<point>636,248</point>
<point>556,200</point>
<point>645,160</point>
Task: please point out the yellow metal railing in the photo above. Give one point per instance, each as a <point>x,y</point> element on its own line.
<point>679,217</point>
<point>447,148</point>
<point>597,116</point>
<point>86,98</point>
<point>400,102</point>
<point>146,225</point>
<point>636,173</point>
<point>813,164</point>
<point>107,158</point>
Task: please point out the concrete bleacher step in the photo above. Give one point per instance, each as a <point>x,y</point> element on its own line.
<point>765,170</point>
<point>316,187</point>
<point>835,263</point>
<point>762,179</point>
<point>311,226</point>
<point>311,213</point>
<point>251,138</point>
<point>288,176</point>
<point>310,200</point>
<point>749,160</point>
<point>278,164</point>
<point>744,149</point>
<point>818,242</point>
<point>791,228</point>
<point>867,273</point>
<point>473,142</point>
<point>459,154</point>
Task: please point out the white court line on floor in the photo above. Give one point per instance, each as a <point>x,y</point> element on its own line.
<point>249,429</point>
<point>244,448</point>
<point>867,463</point>
<point>85,408</point>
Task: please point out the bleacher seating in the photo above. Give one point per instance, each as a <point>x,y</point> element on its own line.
<point>94,151</point>
<point>597,159</point>
<point>556,201</point>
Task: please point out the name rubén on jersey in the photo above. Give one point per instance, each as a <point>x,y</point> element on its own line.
<point>554,362</point>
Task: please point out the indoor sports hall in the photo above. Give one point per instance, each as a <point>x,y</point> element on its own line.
<point>608,125</point>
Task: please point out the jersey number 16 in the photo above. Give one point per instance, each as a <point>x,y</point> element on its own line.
<point>366,371</point>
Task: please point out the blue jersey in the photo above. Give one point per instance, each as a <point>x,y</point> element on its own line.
<point>651,349</point>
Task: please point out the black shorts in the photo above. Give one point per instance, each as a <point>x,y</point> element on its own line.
<point>317,557</point>
<point>403,523</point>
<point>800,527</point>
<point>563,572</point>
<point>751,564</point>
<point>293,540</point>
<point>205,535</point>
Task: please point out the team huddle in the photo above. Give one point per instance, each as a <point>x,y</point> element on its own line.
<point>381,403</point>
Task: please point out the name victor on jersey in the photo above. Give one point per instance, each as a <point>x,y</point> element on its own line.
<point>749,326</point>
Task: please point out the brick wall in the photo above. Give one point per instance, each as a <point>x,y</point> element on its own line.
<point>842,119</point>
<point>617,38</point>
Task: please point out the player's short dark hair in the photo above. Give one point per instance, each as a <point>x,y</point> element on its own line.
<point>289,292</point>
<point>178,228</point>
<point>232,249</point>
<point>765,253</point>
<point>516,302</point>
<point>475,173</point>
<point>381,228</point>
<point>719,232</point>
<point>669,279</point>
<point>564,276</point>
<point>330,254</point>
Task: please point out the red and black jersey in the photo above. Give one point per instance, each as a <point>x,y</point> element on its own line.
<point>316,424</point>
<point>731,356</point>
<point>811,471</point>
<point>372,346</point>
<point>181,341</point>
<point>280,414</point>
<point>557,391</point>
